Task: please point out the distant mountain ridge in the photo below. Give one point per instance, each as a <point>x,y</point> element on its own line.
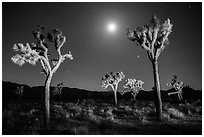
<point>75,94</point>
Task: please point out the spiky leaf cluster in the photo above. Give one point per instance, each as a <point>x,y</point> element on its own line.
<point>152,37</point>
<point>111,79</point>
<point>134,85</point>
<point>26,53</point>
<point>56,37</point>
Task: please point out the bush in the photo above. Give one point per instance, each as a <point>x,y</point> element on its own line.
<point>174,113</point>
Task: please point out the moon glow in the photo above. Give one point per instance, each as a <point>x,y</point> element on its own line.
<point>111,27</point>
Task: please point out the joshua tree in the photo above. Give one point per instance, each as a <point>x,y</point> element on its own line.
<point>153,38</point>
<point>19,92</point>
<point>178,86</point>
<point>34,52</point>
<point>58,90</point>
<point>134,85</point>
<point>112,79</point>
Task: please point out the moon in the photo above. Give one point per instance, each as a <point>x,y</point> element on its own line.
<point>111,27</point>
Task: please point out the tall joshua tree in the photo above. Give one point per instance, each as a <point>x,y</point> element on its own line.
<point>112,79</point>
<point>153,38</point>
<point>34,52</point>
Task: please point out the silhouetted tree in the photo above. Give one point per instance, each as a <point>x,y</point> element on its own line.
<point>112,79</point>
<point>19,92</point>
<point>153,38</point>
<point>34,52</point>
<point>58,90</point>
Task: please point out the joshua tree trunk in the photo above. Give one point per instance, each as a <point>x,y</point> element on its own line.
<point>158,102</point>
<point>115,93</point>
<point>47,100</point>
<point>19,99</point>
<point>60,98</point>
<point>135,98</point>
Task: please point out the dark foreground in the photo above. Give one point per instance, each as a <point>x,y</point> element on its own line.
<point>98,118</point>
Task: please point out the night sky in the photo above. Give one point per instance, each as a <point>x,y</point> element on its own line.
<point>97,50</point>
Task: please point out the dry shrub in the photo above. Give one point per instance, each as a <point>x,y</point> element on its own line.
<point>175,113</point>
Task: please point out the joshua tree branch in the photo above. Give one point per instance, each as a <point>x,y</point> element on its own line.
<point>158,53</point>
<point>153,48</point>
<point>162,47</point>
<point>164,39</point>
<point>45,70</point>
<point>136,38</point>
<point>150,55</point>
<point>60,56</point>
<point>112,86</point>
<point>59,47</point>
<point>46,64</point>
<point>45,50</point>
<point>144,46</point>
<point>149,34</point>
<point>57,65</point>
<point>156,30</point>
<point>62,43</point>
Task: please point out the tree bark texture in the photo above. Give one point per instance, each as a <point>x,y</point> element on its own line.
<point>47,101</point>
<point>115,95</point>
<point>157,100</point>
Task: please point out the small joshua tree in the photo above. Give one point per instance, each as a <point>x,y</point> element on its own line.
<point>153,38</point>
<point>58,90</point>
<point>178,86</point>
<point>134,85</point>
<point>34,52</point>
<point>19,92</point>
<point>112,79</point>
